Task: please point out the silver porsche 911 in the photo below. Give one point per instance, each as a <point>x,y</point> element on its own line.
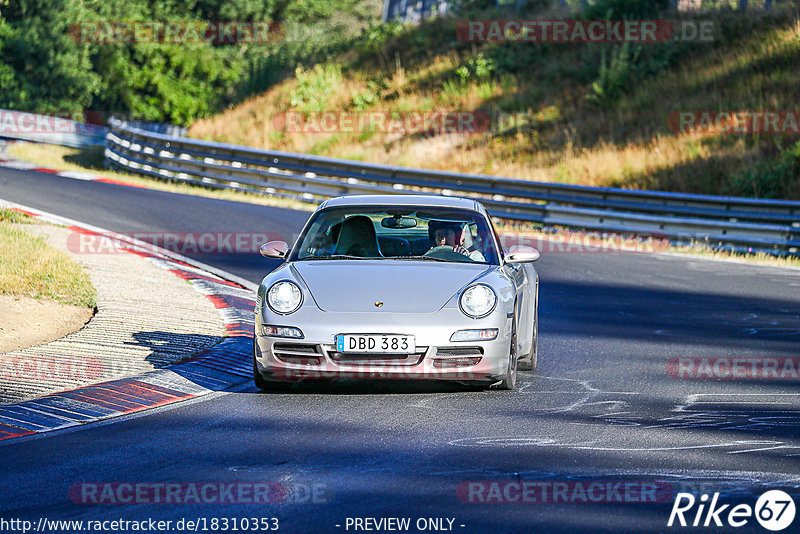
<point>397,287</point>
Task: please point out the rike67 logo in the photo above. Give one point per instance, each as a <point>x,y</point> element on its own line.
<point>774,511</point>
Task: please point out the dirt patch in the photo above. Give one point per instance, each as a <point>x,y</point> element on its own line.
<point>25,321</point>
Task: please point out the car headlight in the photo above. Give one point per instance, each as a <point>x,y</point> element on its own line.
<point>284,297</point>
<point>478,301</point>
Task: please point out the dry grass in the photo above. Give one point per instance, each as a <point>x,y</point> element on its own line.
<point>91,161</point>
<point>30,267</point>
<point>703,250</point>
<point>564,138</point>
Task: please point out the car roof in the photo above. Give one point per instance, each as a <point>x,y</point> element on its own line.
<point>437,201</point>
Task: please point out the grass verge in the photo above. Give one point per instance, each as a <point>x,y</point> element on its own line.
<point>30,267</point>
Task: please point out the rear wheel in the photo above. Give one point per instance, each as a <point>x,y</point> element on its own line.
<point>529,362</point>
<point>510,381</point>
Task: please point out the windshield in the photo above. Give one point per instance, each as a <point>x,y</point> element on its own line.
<point>407,233</point>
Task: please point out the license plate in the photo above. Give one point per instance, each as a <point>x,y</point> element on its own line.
<point>376,344</point>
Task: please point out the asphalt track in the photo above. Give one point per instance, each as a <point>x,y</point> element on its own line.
<point>601,407</point>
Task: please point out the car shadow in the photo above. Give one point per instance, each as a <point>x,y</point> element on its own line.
<point>350,386</point>
<point>168,348</point>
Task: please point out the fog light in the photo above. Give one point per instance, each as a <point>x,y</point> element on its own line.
<point>300,360</point>
<point>475,335</point>
<point>456,362</point>
<point>281,331</point>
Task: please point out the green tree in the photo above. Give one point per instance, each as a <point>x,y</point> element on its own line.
<point>42,68</point>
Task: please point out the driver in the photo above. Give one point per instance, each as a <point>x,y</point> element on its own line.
<point>446,237</point>
<point>449,237</point>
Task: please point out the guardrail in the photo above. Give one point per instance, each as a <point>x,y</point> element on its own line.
<point>728,221</point>
<point>59,129</point>
<point>52,129</point>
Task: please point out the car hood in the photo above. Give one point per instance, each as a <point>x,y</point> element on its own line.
<point>353,286</point>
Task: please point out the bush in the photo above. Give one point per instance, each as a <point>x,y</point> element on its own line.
<point>624,9</point>
<point>779,178</point>
<point>374,38</point>
<point>481,66</point>
<point>368,98</point>
<point>314,87</point>
<point>615,75</point>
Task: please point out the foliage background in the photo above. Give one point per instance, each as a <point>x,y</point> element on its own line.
<point>43,69</point>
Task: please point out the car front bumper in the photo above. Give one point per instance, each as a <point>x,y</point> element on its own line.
<point>437,358</point>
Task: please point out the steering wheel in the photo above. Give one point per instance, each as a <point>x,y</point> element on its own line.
<point>443,252</point>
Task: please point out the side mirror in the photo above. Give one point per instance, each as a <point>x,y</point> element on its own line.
<point>521,254</point>
<point>275,249</point>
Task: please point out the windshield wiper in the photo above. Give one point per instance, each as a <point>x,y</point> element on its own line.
<point>405,258</point>
<point>339,257</point>
<point>422,258</point>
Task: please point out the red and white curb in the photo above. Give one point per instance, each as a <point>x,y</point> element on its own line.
<point>75,175</point>
<point>218,368</point>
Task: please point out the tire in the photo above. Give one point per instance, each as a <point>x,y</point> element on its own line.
<point>510,381</point>
<point>266,385</point>
<point>259,381</point>
<point>530,361</point>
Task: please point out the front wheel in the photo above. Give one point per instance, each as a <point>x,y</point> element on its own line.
<point>259,381</point>
<point>266,385</point>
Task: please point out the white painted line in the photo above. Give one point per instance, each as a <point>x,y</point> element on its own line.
<point>19,165</point>
<point>682,255</point>
<point>75,175</point>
